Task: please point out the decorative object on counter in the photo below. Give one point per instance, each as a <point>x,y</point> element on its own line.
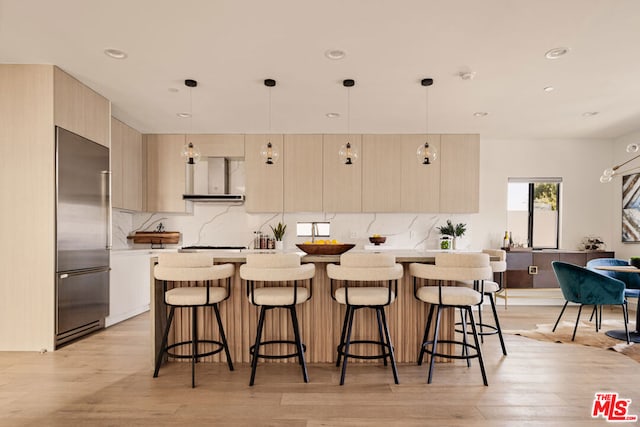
<point>189,151</point>
<point>506,240</point>
<point>454,231</point>
<point>262,241</point>
<point>609,173</point>
<point>278,234</point>
<point>425,153</point>
<point>322,248</point>
<point>635,261</point>
<point>348,153</point>
<point>269,151</point>
<point>446,242</point>
<point>157,238</point>
<point>377,239</point>
<point>593,243</point>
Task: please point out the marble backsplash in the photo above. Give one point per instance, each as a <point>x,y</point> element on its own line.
<point>230,225</point>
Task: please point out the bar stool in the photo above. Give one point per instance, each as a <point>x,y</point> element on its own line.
<point>370,268</point>
<point>491,288</point>
<point>282,268</point>
<point>452,267</point>
<point>186,268</point>
<point>499,267</point>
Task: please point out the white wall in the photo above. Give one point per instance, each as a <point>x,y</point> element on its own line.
<point>623,250</point>
<point>585,203</point>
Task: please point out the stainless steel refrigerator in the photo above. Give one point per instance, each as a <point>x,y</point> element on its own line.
<point>82,235</point>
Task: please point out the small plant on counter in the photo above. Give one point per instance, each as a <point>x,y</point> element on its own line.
<point>635,261</point>
<point>278,231</point>
<point>457,230</point>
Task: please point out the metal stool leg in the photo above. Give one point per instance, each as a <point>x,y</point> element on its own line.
<point>382,339</point>
<point>194,344</point>
<point>296,332</point>
<point>163,345</point>
<point>426,334</point>
<point>392,357</point>
<point>342,335</point>
<point>465,349</point>
<point>495,318</point>
<point>433,346</point>
<point>346,346</point>
<point>223,337</point>
<point>256,347</point>
<point>478,347</point>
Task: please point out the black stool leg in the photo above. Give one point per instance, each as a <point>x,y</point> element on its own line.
<point>296,332</point>
<point>433,346</point>
<point>495,318</point>
<point>426,334</point>
<point>479,349</point>
<point>465,348</point>
<point>194,344</point>
<point>223,337</point>
<point>480,323</point>
<point>342,335</point>
<point>382,347</point>
<point>256,347</point>
<point>163,345</point>
<point>346,345</point>
<point>392,357</point>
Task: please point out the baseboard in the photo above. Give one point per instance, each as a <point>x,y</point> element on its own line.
<point>112,320</point>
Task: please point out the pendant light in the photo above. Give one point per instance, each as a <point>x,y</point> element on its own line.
<point>190,153</point>
<point>269,151</point>
<point>426,153</point>
<point>348,153</point>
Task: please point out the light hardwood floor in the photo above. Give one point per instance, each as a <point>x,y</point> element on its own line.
<point>106,379</point>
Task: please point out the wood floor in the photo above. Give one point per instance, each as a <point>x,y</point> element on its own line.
<point>106,380</point>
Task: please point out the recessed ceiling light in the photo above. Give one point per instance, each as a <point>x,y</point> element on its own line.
<point>556,52</point>
<point>333,115</point>
<point>590,113</point>
<point>549,89</point>
<point>467,75</point>
<point>335,54</point>
<point>115,53</point>
<point>184,115</point>
<point>480,114</point>
<point>173,89</point>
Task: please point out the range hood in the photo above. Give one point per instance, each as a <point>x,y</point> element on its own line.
<point>215,179</point>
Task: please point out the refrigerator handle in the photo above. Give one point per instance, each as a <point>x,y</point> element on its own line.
<point>106,204</point>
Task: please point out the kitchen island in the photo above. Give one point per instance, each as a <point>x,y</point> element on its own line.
<point>320,318</point>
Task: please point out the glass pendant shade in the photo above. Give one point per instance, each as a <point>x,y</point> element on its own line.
<point>190,153</point>
<point>270,153</point>
<point>348,154</point>
<point>633,148</point>
<point>426,154</point>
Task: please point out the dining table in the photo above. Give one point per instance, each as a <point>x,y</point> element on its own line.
<point>620,334</point>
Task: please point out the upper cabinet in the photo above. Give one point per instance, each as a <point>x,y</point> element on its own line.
<point>381,173</point>
<point>165,177</point>
<point>214,145</point>
<point>420,188</point>
<point>460,173</point>
<point>302,173</point>
<point>342,183</point>
<point>79,109</point>
<point>264,182</point>
<point>126,167</point>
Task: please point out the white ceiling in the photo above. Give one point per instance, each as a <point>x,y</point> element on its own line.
<point>231,46</point>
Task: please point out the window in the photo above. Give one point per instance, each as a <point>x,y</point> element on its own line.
<point>533,212</point>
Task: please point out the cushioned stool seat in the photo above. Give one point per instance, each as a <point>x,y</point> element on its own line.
<point>370,268</point>
<point>280,268</point>
<point>184,269</point>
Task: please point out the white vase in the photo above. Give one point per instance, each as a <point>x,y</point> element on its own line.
<point>279,245</point>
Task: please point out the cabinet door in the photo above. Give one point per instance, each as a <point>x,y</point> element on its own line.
<point>460,173</point>
<point>419,184</point>
<point>381,173</point>
<point>264,191</point>
<point>211,145</point>
<point>518,270</point>
<point>80,110</point>
<point>342,184</point>
<point>303,173</point>
<point>132,169</point>
<point>116,154</point>
<point>165,173</point>
<point>545,278</point>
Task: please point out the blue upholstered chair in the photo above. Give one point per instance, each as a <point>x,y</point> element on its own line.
<point>631,280</point>
<point>585,287</point>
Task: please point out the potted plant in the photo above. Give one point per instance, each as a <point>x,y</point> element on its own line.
<point>635,261</point>
<point>454,231</point>
<point>278,234</point>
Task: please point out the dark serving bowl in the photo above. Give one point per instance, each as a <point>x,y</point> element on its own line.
<point>377,240</point>
<point>327,249</point>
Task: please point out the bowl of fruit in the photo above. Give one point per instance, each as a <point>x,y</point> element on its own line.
<point>325,247</point>
<point>377,239</point>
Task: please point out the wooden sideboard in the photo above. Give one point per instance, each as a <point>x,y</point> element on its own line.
<point>532,269</point>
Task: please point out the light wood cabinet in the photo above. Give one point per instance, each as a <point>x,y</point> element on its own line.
<point>165,177</point>
<point>216,145</point>
<point>126,167</point>
<point>264,183</point>
<point>420,184</point>
<point>342,184</point>
<point>381,173</point>
<point>303,173</point>
<point>79,109</point>
<point>459,173</point>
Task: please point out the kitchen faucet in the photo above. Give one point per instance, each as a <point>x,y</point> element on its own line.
<point>314,231</point>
